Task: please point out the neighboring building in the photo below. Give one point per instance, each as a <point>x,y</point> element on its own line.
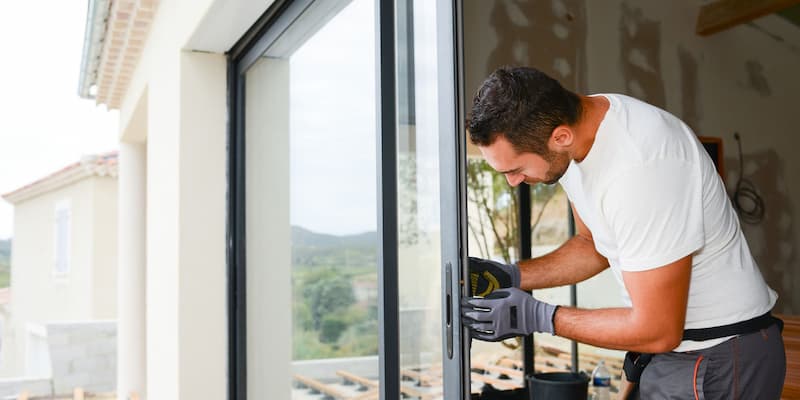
<point>241,119</point>
<point>63,262</point>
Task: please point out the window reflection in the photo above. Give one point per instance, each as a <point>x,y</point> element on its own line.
<point>418,197</point>
<point>312,325</point>
<point>600,291</point>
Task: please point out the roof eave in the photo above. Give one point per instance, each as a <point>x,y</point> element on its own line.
<point>98,165</point>
<point>93,41</point>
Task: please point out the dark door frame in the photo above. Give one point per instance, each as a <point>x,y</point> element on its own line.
<point>277,18</point>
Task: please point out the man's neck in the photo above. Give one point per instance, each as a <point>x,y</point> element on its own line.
<point>593,110</point>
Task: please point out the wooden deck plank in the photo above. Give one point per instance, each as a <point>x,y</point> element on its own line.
<point>320,387</point>
<point>497,383</point>
<point>364,382</point>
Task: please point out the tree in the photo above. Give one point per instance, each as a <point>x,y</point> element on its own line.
<point>497,209</point>
<point>327,292</point>
<point>331,328</point>
<point>497,206</point>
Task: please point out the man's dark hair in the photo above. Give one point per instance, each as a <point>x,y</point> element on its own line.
<point>524,105</point>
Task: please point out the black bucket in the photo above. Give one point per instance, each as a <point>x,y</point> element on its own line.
<point>558,385</point>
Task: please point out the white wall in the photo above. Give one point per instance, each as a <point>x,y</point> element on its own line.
<point>186,187</point>
<point>203,268</point>
<point>104,288</point>
<point>269,312</point>
<point>88,290</point>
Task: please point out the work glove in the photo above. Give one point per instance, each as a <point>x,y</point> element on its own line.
<point>486,276</point>
<point>506,313</point>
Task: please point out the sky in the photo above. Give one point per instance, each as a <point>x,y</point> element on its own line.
<point>332,192</point>
<point>44,125</point>
<point>332,149</point>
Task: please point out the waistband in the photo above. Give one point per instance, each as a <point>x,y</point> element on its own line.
<point>738,328</point>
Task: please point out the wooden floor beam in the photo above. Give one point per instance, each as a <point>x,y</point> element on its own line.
<point>724,14</point>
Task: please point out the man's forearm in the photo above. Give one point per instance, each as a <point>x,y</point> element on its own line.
<point>616,328</point>
<point>575,261</point>
<point>654,323</point>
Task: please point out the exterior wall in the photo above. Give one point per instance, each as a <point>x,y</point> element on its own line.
<point>104,296</point>
<point>10,387</point>
<point>202,204</point>
<point>186,188</point>
<point>740,80</point>
<point>132,267</point>
<point>40,296</point>
<point>84,354</point>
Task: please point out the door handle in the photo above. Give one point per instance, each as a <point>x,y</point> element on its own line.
<point>448,272</point>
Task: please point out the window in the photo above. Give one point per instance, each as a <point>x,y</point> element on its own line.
<point>310,205</point>
<point>63,225</point>
<point>336,203</point>
<point>601,291</point>
<point>550,228</point>
<point>418,194</point>
<point>495,215</point>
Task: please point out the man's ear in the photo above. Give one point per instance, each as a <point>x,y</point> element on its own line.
<point>562,137</point>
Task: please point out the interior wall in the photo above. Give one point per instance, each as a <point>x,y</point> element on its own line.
<point>269,312</point>
<point>739,80</point>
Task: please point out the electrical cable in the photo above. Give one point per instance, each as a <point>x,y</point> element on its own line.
<point>746,200</point>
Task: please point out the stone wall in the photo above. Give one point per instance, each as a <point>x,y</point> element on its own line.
<point>83,354</point>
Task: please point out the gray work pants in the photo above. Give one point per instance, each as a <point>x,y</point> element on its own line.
<point>747,367</point>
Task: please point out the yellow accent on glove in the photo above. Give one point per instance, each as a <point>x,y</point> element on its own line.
<point>491,286</point>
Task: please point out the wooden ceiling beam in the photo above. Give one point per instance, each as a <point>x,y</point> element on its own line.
<point>724,14</point>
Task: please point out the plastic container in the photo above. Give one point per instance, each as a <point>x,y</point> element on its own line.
<point>601,382</point>
<point>558,386</point>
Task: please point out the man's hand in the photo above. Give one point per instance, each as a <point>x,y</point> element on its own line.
<point>506,313</point>
<point>487,276</point>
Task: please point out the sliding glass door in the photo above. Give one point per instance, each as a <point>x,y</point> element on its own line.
<point>338,179</point>
<point>310,202</point>
<point>427,195</point>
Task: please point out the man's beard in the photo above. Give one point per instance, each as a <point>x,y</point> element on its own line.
<point>559,162</point>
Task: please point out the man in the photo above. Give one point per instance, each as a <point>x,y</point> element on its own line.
<point>649,204</point>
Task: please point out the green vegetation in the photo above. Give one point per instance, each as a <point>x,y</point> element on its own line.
<point>5,263</point>
<point>334,314</point>
<point>496,223</point>
<point>329,319</point>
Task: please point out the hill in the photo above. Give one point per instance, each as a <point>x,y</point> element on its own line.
<point>311,249</point>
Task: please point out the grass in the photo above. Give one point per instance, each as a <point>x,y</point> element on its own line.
<point>5,263</point>
<point>5,274</point>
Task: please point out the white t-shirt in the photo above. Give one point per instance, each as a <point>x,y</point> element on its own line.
<point>650,195</point>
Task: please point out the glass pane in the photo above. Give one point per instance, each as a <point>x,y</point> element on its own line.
<point>601,291</point>
<point>493,229</point>
<point>310,119</point>
<point>492,212</point>
<point>418,202</point>
<point>550,229</point>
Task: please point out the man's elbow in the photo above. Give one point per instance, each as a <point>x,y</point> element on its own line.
<point>666,341</point>
<point>658,337</point>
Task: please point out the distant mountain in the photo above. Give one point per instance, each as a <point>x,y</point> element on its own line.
<point>306,238</point>
<point>311,249</point>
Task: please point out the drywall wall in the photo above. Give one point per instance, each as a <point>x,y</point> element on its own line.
<point>740,80</point>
